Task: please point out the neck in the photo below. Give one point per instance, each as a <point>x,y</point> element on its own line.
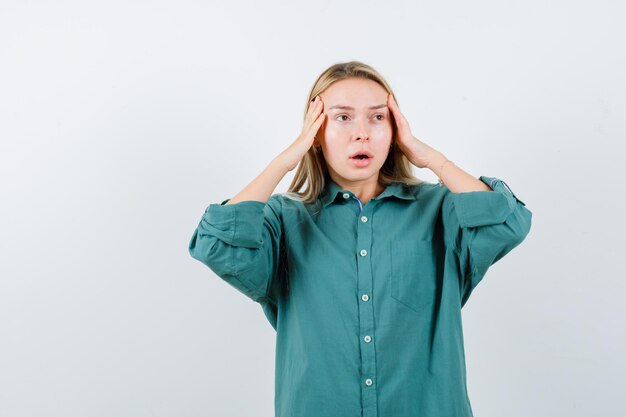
<point>365,190</point>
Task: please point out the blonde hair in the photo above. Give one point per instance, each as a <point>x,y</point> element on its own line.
<point>313,168</point>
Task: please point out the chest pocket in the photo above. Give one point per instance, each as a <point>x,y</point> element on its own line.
<point>413,273</point>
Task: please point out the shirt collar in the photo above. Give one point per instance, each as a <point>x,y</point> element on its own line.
<point>332,192</point>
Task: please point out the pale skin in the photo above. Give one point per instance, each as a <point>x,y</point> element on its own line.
<point>364,128</point>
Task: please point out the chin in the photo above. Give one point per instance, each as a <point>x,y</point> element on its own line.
<point>361,174</point>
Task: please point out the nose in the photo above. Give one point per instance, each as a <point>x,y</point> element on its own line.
<point>362,132</point>
<point>361,138</point>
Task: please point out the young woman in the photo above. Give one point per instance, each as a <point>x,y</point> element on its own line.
<point>363,274</point>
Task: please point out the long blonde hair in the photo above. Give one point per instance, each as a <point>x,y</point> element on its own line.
<point>313,168</point>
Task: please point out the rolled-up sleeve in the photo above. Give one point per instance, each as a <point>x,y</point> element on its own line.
<point>482,227</point>
<point>240,243</point>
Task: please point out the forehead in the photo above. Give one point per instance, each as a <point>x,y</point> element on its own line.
<point>355,92</point>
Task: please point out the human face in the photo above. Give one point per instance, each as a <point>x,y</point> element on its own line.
<point>357,119</point>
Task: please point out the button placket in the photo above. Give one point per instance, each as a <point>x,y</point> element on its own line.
<point>360,208</point>
<point>366,309</point>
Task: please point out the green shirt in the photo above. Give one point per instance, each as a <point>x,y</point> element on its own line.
<point>365,299</point>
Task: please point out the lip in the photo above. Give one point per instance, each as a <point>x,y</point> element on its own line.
<point>360,163</point>
<point>364,152</point>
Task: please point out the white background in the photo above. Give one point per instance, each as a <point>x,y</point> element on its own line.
<point>120,121</point>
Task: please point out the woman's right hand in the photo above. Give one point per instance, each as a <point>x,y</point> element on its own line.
<point>312,122</point>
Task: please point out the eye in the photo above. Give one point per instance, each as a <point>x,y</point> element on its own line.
<point>382,116</point>
<point>342,115</point>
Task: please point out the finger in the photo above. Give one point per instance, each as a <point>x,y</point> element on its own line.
<point>393,104</point>
<point>311,105</point>
<point>315,104</point>
<point>317,123</point>
<point>394,108</point>
<point>399,117</point>
<point>319,120</point>
<point>317,109</point>
<point>311,113</point>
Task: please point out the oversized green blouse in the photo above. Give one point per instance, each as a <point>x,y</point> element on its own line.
<point>365,298</point>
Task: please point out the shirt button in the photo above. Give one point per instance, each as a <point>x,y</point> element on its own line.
<point>363,252</point>
<point>365,297</point>
<point>367,338</point>
<point>363,219</point>
<point>368,382</point>
<point>346,195</point>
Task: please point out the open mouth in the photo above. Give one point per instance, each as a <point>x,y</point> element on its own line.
<point>361,159</point>
<point>362,155</point>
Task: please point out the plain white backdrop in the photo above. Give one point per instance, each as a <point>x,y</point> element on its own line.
<point>120,121</point>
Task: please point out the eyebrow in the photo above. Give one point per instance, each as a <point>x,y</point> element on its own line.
<point>380,106</point>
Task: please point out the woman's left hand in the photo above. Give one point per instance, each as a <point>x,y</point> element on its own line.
<point>416,151</point>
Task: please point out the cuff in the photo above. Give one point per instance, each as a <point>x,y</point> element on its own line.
<point>238,224</point>
<point>483,208</point>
